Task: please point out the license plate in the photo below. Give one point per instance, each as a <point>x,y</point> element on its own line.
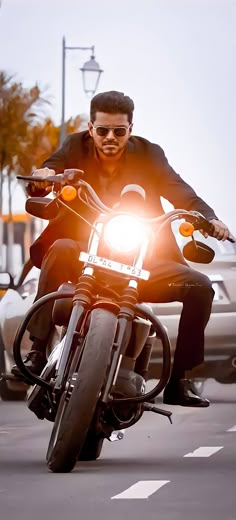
<point>111,265</point>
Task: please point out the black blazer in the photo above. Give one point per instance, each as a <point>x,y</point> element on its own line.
<point>143,163</point>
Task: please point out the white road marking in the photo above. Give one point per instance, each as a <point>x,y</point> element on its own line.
<point>8,430</point>
<point>142,489</point>
<point>204,451</point>
<point>233,429</point>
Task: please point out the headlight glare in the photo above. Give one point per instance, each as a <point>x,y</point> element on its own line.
<point>124,233</point>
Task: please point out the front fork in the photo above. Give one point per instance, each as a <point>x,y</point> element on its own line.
<point>123,335</point>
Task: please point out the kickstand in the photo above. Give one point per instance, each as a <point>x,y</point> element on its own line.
<point>149,407</point>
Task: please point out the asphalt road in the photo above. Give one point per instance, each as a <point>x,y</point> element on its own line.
<point>183,471</point>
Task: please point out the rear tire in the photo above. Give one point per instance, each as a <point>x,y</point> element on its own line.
<point>74,416</point>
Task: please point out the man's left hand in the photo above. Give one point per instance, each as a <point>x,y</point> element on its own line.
<point>221,231</point>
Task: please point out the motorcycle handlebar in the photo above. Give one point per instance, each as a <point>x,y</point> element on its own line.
<point>51,179</point>
<point>201,223</point>
<point>73,176</point>
<point>70,175</point>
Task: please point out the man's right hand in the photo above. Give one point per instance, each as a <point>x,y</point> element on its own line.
<point>43,172</point>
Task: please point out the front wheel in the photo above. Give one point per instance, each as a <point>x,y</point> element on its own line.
<point>92,447</point>
<point>75,414</point>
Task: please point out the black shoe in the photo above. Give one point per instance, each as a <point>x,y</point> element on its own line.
<point>183,393</point>
<point>129,384</point>
<point>34,361</point>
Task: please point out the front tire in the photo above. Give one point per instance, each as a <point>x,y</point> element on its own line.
<point>75,415</point>
<point>92,447</point>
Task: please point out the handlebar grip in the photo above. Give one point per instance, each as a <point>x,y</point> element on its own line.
<point>204,224</point>
<point>26,177</point>
<point>69,176</point>
<point>209,228</point>
<point>57,179</point>
<point>200,222</point>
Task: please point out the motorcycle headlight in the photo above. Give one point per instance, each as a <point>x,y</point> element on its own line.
<point>124,233</point>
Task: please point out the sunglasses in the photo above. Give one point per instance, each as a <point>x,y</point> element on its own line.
<point>118,131</point>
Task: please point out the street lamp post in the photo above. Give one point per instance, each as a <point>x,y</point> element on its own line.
<point>91,74</point>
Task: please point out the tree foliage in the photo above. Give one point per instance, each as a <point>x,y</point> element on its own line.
<point>27,135</point>
<point>42,140</point>
<point>18,108</point>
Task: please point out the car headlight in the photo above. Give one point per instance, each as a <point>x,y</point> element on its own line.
<point>124,233</point>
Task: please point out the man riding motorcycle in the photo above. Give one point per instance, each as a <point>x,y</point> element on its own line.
<point>110,158</point>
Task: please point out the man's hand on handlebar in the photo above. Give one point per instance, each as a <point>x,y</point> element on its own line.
<point>43,172</point>
<point>221,231</point>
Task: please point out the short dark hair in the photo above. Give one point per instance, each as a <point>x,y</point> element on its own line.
<point>112,102</point>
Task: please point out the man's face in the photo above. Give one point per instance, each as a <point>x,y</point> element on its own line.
<point>111,144</point>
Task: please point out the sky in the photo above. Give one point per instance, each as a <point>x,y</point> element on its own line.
<point>175,58</point>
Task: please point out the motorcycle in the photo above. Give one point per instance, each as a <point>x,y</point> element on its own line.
<point>87,388</point>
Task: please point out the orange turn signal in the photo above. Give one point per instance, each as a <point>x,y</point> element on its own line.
<point>186,229</point>
<point>68,193</point>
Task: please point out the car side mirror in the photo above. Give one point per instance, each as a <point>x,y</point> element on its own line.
<point>196,251</point>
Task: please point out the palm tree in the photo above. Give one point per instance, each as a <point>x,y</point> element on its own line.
<point>27,137</point>
<point>16,116</point>
<point>42,140</point>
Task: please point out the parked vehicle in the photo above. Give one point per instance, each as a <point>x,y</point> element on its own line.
<point>85,388</point>
<point>17,299</point>
<point>6,281</point>
<point>220,334</point>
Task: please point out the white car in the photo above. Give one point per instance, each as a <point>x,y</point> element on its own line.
<point>13,306</point>
<point>220,334</point>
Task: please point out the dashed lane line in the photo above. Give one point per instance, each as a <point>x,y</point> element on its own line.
<point>142,489</point>
<point>233,429</point>
<point>204,451</point>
